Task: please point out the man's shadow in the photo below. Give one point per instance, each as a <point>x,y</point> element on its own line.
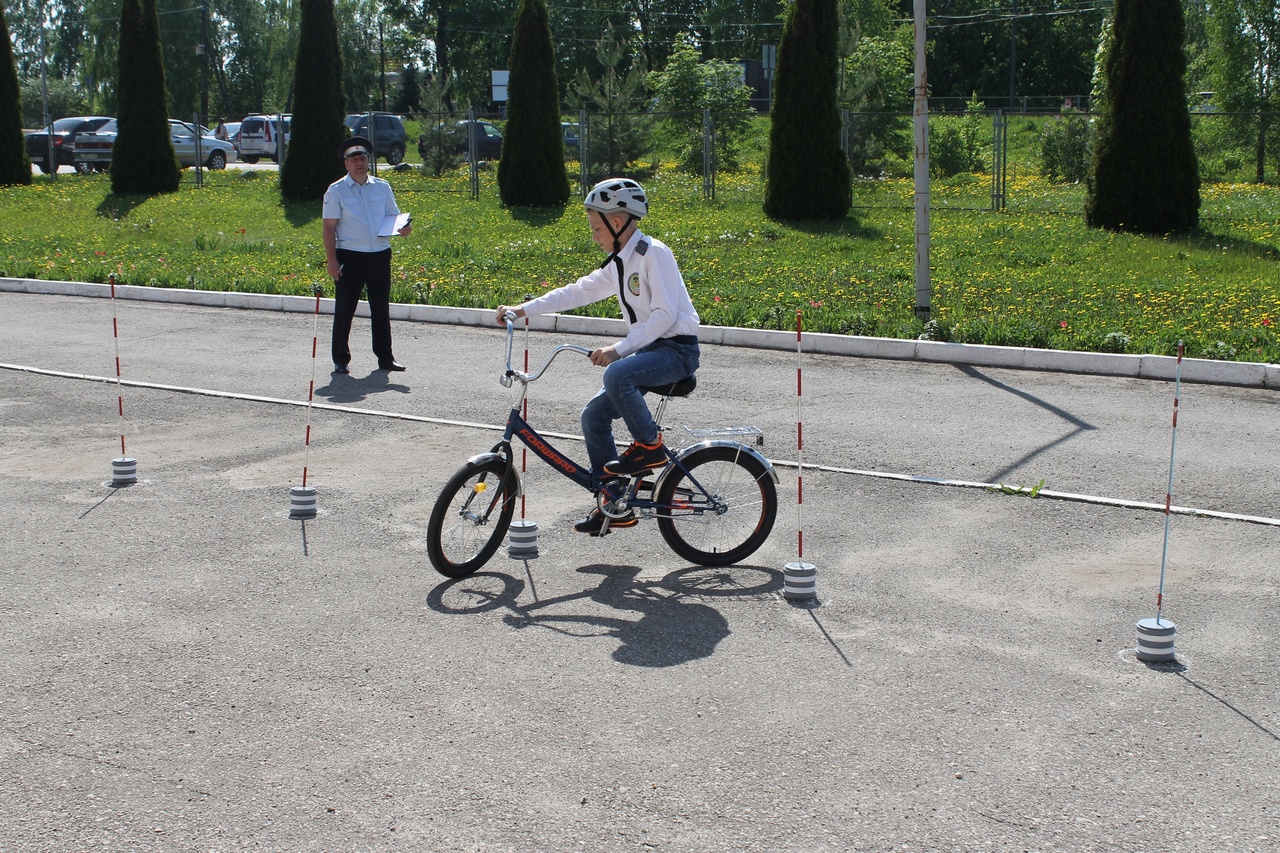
<point>349,388</point>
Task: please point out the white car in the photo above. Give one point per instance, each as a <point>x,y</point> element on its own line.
<point>215,153</point>
<point>260,136</point>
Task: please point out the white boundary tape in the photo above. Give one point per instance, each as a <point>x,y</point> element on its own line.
<point>883,475</point>
<point>1159,367</point>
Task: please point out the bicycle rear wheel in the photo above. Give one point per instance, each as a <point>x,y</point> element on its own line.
<point>470,517</point>
<point>720,508</point>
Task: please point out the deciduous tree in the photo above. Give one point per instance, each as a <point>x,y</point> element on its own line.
<point>1244,62</point>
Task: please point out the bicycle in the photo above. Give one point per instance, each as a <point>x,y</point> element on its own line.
<point>715,501</point>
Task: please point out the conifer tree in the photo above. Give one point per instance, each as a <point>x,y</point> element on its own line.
<point>531,170</point>
<point>808,173</point>
<point>15,165</point>
<point>311,159</point>
<point>1144,176</point>
<point>142,159</point>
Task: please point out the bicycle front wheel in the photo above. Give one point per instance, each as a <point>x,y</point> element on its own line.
<point>720,508</point>
<point>470,517</point>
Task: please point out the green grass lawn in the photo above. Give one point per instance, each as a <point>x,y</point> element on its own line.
<point>1032,275</point>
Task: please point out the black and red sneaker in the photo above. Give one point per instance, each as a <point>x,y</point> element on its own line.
<point>592,524</point>
<point>636,458</point>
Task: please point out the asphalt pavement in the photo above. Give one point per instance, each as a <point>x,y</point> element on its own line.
<point>186,668</point>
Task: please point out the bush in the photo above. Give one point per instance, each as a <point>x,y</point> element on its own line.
<point>804,140</point>
<point>955,144</point>
<point>531,170</point>
<point>15,167</point>
<point>311,161</point>
<point>1064,148</point>
<point>143,161</point>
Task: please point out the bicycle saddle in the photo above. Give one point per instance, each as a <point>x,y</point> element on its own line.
<point>683,388</point>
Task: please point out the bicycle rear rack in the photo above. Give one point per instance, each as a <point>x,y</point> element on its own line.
<point>742,433</point>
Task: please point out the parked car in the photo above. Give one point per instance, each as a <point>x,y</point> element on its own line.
<point>96,148</point>
<point>64,131</point>
<point>260,137</point>
<point>487,137</point>
<point>217,153</point>
<point>389,136</point>
<point>572,140</point>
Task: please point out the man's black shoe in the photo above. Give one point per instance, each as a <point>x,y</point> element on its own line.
<point>341,368</point>
<point>390,366</point>
<point>592,523</point>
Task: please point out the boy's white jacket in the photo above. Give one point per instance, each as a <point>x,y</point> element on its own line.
<point>652,296</point>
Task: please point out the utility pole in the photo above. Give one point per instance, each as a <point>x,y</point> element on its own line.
<point>51,160</point>
<point>924,284</point>
<point>382,70</point>
<point>204,66</point>
<point>1013,55</point>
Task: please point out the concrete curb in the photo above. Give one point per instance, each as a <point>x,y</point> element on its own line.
<point>1207,371</point>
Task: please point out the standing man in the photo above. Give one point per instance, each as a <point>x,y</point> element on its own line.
<point>354,211</point>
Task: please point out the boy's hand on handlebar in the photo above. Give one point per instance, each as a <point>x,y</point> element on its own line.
<point>501,317</point>
<point>604,356</point>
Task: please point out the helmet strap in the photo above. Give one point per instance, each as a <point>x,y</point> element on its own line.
<point>617,235</point>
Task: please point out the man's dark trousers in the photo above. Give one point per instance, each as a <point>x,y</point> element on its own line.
<point>362,270</point>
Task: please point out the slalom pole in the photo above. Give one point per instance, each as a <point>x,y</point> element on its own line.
<point>124,470</point>
<point>522,535</point>
<point>1168,495</point>
<point>799,578</point>
<point>524,451</point>
<point>303,500</point>
<point>1156,637</point>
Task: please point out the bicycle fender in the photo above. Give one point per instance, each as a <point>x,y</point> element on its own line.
<point>481,458</point>
<point>716,442</point>
<point>492,455</point>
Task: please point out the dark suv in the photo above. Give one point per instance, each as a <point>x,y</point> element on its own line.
<point>64,140</point>
<point>486,136</point>
<point>389,136</point>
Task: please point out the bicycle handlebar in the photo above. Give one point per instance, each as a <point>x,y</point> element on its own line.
<point>526,378</point>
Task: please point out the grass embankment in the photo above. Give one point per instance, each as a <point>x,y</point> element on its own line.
<point>1031,276</point>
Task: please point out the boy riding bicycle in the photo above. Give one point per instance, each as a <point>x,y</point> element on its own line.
<point>661,345</point>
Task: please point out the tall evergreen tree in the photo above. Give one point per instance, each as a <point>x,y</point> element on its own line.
<point>311,161</point>
<point>15,166</point>
<point>142,159</point>
<point>808,173</point>
<point>1143,176</point>
<point>531,171</point>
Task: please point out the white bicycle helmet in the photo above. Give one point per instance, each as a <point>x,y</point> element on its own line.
<point>618,195</point>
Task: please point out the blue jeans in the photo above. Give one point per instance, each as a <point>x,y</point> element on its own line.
<point>661,362</point>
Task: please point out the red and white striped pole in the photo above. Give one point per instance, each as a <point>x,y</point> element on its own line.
<point>303,500</point>
<point>1156,637</point>
<point>124,470</point>
<point>522,536</point>
<point>800,579</point>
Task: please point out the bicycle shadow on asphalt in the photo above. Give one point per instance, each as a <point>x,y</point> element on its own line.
<point>354,389</point>
<point>673,627</point>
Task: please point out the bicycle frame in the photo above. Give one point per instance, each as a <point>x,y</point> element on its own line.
<point>518,427</point>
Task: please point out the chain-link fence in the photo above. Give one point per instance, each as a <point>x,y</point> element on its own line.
<point>980,159</point>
